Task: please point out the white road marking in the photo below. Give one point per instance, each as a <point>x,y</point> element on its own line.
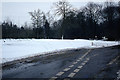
<point>71,66</point>
<point>59,74</point>
<point>53,78</point>
<point>88,59</point>
<point>83,64</point>
<point>95,55</point>
<point>76,70</point>
<point>84,54</point>
<point>111,62</point>
<point>74,62</point>
<point>71,74</point>
<point>85,61</point>
<point>80,67</point>
<point>78,60</point>
<point>66,69</point>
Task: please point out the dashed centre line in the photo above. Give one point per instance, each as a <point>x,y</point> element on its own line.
<point>74,62</point>
<point>53,78</point>
<point>83,64</point>
<point>59,74</point>
<point>76,70</point>
<point>66,69</point>
<point>86,61</point>
<point>71,66</point>
<point>80,67</point>
<point>71,74</point>
<point>78,60</point>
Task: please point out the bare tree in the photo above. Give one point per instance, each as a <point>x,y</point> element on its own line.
<point>93,11</point>
<point>93,15</point>
<point>50,18</point>
<point>37,18</point>
<point>62,8</point>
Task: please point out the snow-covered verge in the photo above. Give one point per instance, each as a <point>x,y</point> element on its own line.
<point>18,48</point>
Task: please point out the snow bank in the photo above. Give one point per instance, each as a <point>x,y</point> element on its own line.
<point>17,48</point>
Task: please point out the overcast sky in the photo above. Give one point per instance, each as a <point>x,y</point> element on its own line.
<point>18,11</point>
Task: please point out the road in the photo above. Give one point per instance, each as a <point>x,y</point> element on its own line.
<point>69,64</point>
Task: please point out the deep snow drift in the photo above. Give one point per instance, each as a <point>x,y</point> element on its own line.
<point>18,48</point>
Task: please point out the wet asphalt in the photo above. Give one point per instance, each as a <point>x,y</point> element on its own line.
<point>77,63</point>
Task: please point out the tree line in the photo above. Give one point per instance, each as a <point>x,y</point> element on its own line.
<point>94,21</point>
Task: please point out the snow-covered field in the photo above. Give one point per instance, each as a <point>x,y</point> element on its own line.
<point>18,48</point>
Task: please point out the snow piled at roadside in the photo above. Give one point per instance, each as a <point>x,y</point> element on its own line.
<point>18,48</point>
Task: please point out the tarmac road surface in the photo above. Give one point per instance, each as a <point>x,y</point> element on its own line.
<point>68,64</point>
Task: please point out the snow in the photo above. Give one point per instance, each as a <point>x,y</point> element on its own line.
<point>18,48</point>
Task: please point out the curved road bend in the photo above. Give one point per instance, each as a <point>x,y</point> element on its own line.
<point>77,63</point>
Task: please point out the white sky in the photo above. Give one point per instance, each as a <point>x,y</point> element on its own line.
<point>17,10</point>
